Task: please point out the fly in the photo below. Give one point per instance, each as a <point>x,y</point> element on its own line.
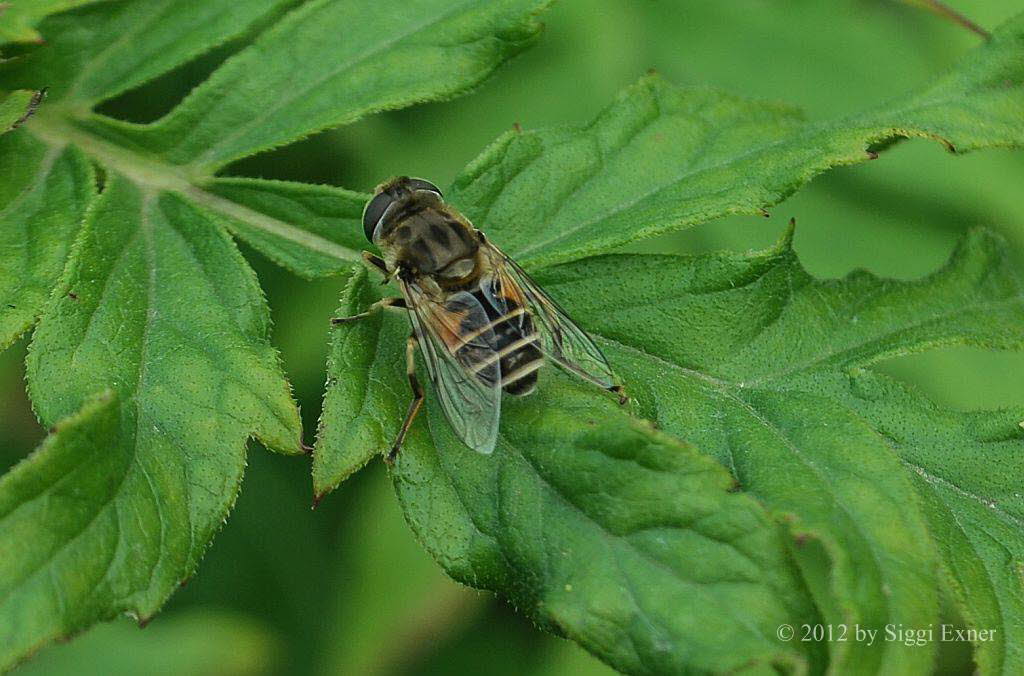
<point>482,325</point>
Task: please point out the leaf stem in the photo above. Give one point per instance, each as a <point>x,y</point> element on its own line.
<point>154,175</point>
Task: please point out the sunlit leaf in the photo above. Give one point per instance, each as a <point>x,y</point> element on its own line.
<point>354,58</point>
<point>43,199</point>
<point>766,368</point>
<point>671,325</point>
<point>142,292</point>
<point>776,478</point>
<point>663,158</point>
<point>16,107</point>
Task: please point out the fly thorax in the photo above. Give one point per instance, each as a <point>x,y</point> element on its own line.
<point>431,245</point>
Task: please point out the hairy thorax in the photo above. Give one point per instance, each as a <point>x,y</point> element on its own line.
<point>430,244</point>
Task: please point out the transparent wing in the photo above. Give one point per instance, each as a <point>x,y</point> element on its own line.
<point>456,346</point>
<point>562,340</point>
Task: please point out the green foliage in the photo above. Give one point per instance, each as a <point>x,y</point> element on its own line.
<point>18,19</point>
<point>766,369</point>
<point>156,304</point>
<point>867,555</point>
<point>180,336</point>
<point>107,49</point>
<point>663,158</point>
<point>152,359</point>
<point>408,52</point>
<point>584,516</point>
<point>44,197</point>
<point>15,107</point>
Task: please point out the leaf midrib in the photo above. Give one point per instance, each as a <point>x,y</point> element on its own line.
<point>602,528</point>
<point>688,172</point>
<point>154,176</point>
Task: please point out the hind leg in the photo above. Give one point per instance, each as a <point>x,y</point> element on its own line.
<point>414,405</point>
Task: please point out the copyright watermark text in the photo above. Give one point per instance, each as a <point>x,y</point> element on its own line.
<point>908,636</point>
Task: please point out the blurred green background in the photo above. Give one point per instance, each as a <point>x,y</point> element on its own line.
<point>345,589</point>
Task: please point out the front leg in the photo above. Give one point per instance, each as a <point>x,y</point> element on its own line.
<point>382,266</point>
<point>377,262</point>
<point>379,305</point>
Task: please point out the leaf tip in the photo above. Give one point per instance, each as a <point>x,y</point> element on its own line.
<point>651,80</point>
<point>142,620</point>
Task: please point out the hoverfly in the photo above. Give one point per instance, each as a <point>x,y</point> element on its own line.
<point>482,325</point>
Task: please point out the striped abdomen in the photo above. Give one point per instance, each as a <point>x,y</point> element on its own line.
<point>514,343</point>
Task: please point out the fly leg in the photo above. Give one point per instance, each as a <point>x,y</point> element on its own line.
<point>414,405</point>
<point>379,305</point>
<point>376,261</point>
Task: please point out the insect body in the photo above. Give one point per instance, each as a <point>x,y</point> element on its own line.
<point>482,324</point>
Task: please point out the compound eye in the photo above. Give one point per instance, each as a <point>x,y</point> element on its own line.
<point>374,211</point>
<point>420,184</point>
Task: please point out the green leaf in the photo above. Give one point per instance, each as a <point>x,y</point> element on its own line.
<point>859,536</point>
<point>598,526</point>
<point>442,52</point>
<point>150,299</point>
<point>966,468</point>
<point>662,158</point>
<point>360,404</point>
<point>16,107</point>
<point>107,48</point>
<point>158,306</point>
<point>757,363</point>
<point>43,199</point>
<point>608,532</point>
<point>334,217</point>
<point>591,522</point>
<point>355,58</point>
<point>760,365</point>
<point>76,470</point>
